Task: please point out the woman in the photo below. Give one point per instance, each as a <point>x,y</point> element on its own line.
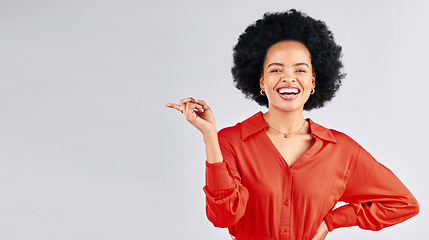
<point>277,175</point>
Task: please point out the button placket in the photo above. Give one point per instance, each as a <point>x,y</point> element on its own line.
<point>285,230</point>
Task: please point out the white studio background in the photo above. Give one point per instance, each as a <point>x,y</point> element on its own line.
<point>88,150</point>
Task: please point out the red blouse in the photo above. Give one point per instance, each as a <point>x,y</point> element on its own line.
<point>257,195</point>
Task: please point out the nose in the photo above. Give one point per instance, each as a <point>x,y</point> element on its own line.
<point>288,78</point>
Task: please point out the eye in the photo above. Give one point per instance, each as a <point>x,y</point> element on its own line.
<point>301,71</point>
<point>275,70</point>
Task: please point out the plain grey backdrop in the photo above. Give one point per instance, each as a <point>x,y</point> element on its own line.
<point>88,150</point>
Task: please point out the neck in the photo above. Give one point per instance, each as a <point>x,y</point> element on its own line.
<point>284,121</point>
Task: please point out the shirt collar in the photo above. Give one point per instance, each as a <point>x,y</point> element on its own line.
<point>256,124</point>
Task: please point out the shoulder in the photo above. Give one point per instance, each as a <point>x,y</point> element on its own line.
<point>230,137</point>
<point>343,138</point>
<point>230,132</point>
<point>345,149</point>
<point>340,138</point>
<point>243,129</point>
<point>346,144</point>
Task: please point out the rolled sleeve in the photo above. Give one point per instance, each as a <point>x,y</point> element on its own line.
<point>218,177</point>
<point>344,216</point>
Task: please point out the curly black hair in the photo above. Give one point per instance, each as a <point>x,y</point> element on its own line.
<point>252,46</point>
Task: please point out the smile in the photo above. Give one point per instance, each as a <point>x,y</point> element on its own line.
<point>288,93</point>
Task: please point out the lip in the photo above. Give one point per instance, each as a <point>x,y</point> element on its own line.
<point>288,96</point>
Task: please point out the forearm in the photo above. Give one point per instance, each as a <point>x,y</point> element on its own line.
<point>226,197</point>
<point>213,153</point>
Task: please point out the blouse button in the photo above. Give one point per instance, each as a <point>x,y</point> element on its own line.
<point>284,234</point>
<point>286,202</point>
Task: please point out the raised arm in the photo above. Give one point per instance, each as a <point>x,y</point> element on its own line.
<point>226,198</point>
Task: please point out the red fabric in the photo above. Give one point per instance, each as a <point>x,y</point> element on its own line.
<point>257,195</point>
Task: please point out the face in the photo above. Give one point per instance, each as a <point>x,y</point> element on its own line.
<point>287,77</point>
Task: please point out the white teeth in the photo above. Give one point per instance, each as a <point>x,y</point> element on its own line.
<point>288,90</point>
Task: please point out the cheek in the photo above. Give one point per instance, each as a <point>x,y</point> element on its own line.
<point>268,82</point>
<point>308,83</point>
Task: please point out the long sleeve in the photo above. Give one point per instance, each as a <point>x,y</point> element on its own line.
<point>257,195</point>
<point>376,197</point>
<point>226,198</point>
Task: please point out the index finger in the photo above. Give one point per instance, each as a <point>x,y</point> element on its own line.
<point>174,106</point>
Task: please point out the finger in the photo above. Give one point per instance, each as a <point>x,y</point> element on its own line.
<point>188,107</point>
<point>175,106</point>
<point>183,106</point>
<point>203,104</point>
<point>189,111</point>
<point>322,232</point>
<point>199,108</point>
<point>186,100</point>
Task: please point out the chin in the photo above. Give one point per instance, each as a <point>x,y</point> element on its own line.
<point>287,107</point>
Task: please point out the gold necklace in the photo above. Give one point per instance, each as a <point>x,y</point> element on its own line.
<point>285,134</point>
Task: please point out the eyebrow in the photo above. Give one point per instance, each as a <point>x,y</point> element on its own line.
<point>280,64</point>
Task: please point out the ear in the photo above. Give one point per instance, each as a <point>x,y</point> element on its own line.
<point>261,81</point>
<point>314,80</point>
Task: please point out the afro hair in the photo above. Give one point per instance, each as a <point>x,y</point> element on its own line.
<point>252,46</point>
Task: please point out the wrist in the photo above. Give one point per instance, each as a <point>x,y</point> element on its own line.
<point>210,136</point>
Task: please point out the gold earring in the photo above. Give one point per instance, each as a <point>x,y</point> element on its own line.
<point>312,91</point>
<point>262,92</point>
